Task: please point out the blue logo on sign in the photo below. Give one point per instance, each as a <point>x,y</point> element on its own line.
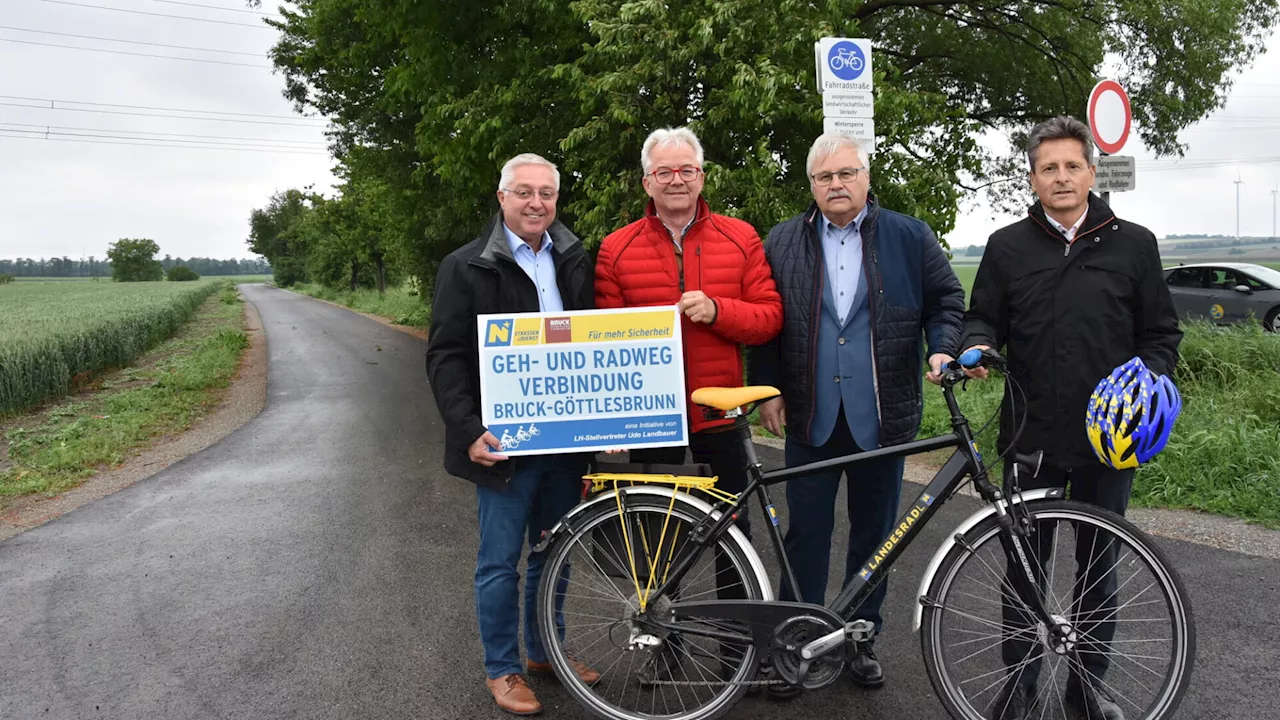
<point>846,60</point>
<point>498,333</point>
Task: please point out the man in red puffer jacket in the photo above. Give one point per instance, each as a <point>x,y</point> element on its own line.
<point>713,268</point>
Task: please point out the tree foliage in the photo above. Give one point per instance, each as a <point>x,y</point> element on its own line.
<point>339,241</point>
<point>134,260</point>
<point>428,99</point>
<point>181,273</point>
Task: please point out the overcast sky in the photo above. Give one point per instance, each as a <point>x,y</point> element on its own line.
<point>76,195</point>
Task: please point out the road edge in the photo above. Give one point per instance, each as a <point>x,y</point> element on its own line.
<point>246,398</point>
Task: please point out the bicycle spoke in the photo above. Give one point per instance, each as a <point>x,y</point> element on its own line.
<point>1083,672</point>
<point>1109,585</point>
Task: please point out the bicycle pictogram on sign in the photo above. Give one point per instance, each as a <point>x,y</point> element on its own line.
<point>846,60</point>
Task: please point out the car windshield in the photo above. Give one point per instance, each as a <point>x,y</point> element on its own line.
<point>1265,274</point>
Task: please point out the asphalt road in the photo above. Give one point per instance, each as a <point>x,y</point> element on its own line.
<point>317,563</point>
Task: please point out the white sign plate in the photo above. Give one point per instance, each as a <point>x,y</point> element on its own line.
<point>844,64</point>
<point>1116,173</point>
<point>845,104</point>
<point>860,129</point>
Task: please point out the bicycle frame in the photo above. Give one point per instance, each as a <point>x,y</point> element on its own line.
<point>965,463</point>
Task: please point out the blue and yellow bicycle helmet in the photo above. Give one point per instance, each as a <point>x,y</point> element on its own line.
<point>1131,415</point>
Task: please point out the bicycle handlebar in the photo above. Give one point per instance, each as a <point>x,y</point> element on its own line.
<point>974,357</point>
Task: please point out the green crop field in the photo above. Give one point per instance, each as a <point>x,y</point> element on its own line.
<point>50,333</point>
<point>966,272</point>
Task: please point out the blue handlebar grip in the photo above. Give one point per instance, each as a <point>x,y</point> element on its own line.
<point>970,358</point>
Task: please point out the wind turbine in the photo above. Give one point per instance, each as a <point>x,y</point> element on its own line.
<point>1239,182</point>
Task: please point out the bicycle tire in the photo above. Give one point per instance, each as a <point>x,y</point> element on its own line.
<point>737,547</point>
<point>1176,601</point>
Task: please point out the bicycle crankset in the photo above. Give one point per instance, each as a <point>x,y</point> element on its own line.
<point>790,637</point>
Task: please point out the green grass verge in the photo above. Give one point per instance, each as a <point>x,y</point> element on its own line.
<point>1224,456</point>
<point>398,304</point>
<point>163,393</point>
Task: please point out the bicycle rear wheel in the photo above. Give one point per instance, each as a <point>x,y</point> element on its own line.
<point>590,609</point>
<point>1132,633</point>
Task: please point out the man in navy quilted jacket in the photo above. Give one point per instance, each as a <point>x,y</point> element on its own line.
<point>864,289</point>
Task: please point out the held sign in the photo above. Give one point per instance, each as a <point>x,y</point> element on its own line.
<point>582,381</point>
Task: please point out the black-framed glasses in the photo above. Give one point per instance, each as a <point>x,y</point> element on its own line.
<point>846,175</point>
<point>688,173</point>
<point>525,193</point>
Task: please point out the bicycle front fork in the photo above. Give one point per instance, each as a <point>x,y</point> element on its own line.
<point>1026,582</point>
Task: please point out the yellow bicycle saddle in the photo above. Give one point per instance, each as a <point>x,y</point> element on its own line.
<point>723,398</point>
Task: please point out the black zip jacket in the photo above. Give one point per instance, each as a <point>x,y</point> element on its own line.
<point>1066,314</point>
<point>480,278</point>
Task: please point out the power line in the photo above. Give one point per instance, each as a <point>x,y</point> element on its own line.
<point>130,42</point>
<point>214,7</point>
<point>1207,164</point>
<point>158,115</point>
<point>174,143</point>
<point>310,143</point>
<point>149,107</point>
<point>125,52</point>
<point>119,141</point>
<point>163,15</point>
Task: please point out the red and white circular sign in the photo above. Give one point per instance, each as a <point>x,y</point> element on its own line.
<point>1109,116</point>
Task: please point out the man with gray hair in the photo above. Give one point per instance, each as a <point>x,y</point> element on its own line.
<point>863,289</point>
<point>524,261</point>
<point>1069,293</point>
<point>710,266</point>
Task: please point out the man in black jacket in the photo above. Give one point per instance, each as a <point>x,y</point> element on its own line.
<point>1070,292</point>
<point>863,288</point>
<point>524,261</point>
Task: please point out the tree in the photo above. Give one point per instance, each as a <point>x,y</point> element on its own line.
<point>135,261</point>
<point>181,273</point>
<point>584,83</point>
<point>274,234</point>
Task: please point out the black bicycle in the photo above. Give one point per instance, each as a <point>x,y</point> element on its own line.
<point>629,590</point>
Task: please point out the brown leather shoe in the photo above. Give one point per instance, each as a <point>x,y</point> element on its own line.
<point>514,695</point>
<point>588,676</point>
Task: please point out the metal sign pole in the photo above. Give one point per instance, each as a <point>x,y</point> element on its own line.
<point>1106,194</point>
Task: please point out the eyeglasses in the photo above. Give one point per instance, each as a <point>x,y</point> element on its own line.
<point>846,175</point>
<point>525,193</point>
<point>688,173</point>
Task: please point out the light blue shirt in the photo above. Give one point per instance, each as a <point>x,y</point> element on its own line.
<point>842,254</point>
<point>540,268</point>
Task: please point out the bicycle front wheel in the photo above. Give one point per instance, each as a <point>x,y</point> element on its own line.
<point>595,607</point>
<point>1124,629</point>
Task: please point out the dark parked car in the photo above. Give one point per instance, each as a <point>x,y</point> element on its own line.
<point>1226,292</point>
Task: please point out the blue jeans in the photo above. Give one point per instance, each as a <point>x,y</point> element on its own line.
<point>542,490</point>
<point>873,492</point>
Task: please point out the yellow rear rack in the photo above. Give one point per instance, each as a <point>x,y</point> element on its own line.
<point>601,481</point>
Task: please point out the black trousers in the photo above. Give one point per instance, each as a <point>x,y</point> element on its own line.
<point>722,449</point>
<point>1094,595</point>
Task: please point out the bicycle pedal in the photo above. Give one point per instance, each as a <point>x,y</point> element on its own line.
<point>860,631</point>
